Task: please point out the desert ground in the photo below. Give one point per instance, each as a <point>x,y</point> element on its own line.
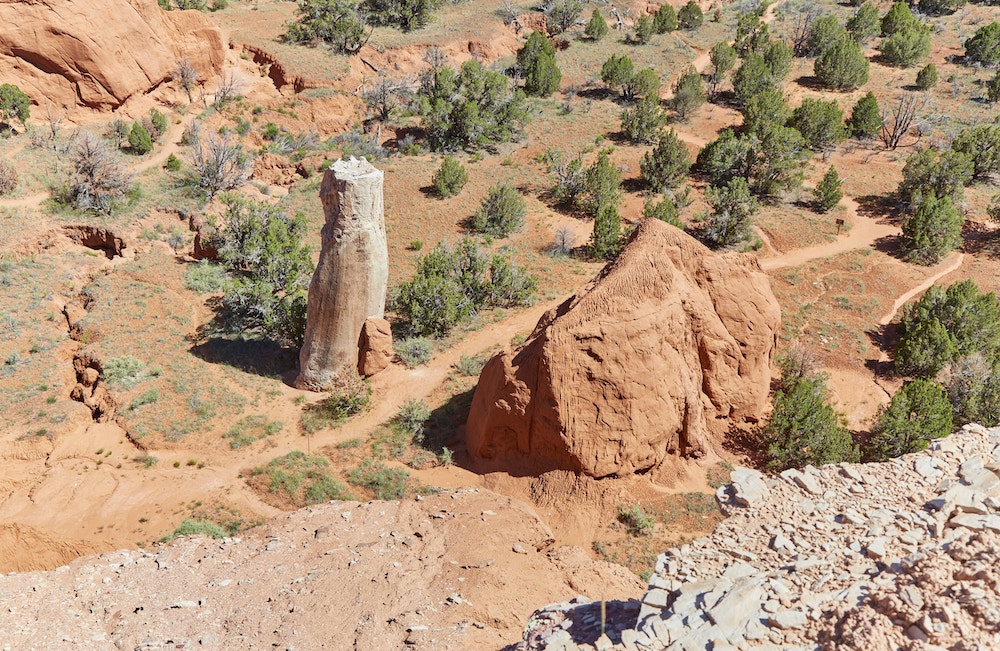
<point>204,425</point>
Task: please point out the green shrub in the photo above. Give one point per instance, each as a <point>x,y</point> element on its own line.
<point>191,527</point>
<point>821,123</point>
<point>635,520</point>
<point>617,71</point>
<point>302,479</point>
<point>805,429</point>
<point>412,416</point>
<point>537,62</point>
<point>272,267</point>
<point>147,398</point>
<point>472,365</point>
<point>932,231</point>
<point>159,123</point>
<point>865,23</point>
<point>349,399</point>
<point>387,483</point>
<point>407,15</point>
<point>172,164</point>
<point>984,46</point>
<point>205,277</point>
<point>827,193</point>
<point>335,22</point>
<point>906,48</point>
<point>606,240</point>
<point>475,108</point>
<point>919,412</point>
<point>927,78</point>
<point>14,103</point>
<point>948,325</point>
<point>642,122</point>
<point>690,16</point>
<point>414,351</point>
<point>665,19</point>
<point>250,429</point>
<point>501,213</point>
<point>689,94</point>
<point>665,210</point>
<point>842,65</point>
<point>597,27</point>
<point>667,164</point>
<point>124,372</point>
<point>451,285</point>
<point>450,178</point>
<point>645,28</point>
<point>733,208</point>
<point>866,120</point>
<point>139,140</point>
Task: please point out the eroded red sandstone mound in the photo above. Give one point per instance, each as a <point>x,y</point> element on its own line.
<point>99,53</point>
<point>637,367</point>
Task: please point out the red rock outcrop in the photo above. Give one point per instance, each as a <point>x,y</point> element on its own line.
<point>636,367</point>
<point>374,347</point>
<point>98,53</point>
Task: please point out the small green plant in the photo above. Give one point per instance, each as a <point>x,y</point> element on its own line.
<point>191,527</point>
<point>349,444</point>
<point>412,416</point>
<point>387,483</point>
<point>501,213</point>
<point>350,400</point>
<point>416,245</point>
<point>450,178</point>
<point>139,140</point>
<point>301,478</point>
<point>472,365</point>
<point>172,164</point>
<point>635,520</point>
<point>206,278</point>
<point>124,372</point>
<point>250,429</point>
<point>147,398</point>
<point>414,351</point>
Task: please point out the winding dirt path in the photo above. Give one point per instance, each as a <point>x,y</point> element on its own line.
<point>951,263</point>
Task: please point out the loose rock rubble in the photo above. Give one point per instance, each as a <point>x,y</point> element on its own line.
<point>895,555</point>
<point>427,573</point>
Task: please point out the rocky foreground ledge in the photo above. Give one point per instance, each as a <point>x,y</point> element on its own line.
<point>897,555</point>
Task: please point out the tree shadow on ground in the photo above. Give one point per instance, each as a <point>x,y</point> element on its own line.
<point>748,442</point>
<point>980,239</point>
<point>880,208</point>
<point>249,354</point>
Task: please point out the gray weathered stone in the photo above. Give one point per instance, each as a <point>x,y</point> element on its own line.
<point>351,278</point>
<point>749,487</point>
<point>786,619</point>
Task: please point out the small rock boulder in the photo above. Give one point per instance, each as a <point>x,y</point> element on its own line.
<point>374,347</point>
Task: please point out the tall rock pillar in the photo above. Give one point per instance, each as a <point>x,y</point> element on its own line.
<point>350,281</point>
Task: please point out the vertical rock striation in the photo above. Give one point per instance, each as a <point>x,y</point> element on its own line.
<point>350,281</point>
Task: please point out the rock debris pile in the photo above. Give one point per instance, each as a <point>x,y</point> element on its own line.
<point>897,555</point>
<point>425,573</point>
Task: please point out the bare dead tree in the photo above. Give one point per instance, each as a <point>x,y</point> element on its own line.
<point>620,17</point>
<point>435,58</point>
<point>100,177</point>
<point>802,21</point>
<point>186,75</point>
<point>383,98</point>
<point>901,121</point>
<point>221,164</point>
<point>54,121</point>
<point>227,90</point>
<point>509,15</point>
<point>564,240</point>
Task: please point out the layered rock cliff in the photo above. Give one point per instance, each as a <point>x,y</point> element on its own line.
<point>98,54</point>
